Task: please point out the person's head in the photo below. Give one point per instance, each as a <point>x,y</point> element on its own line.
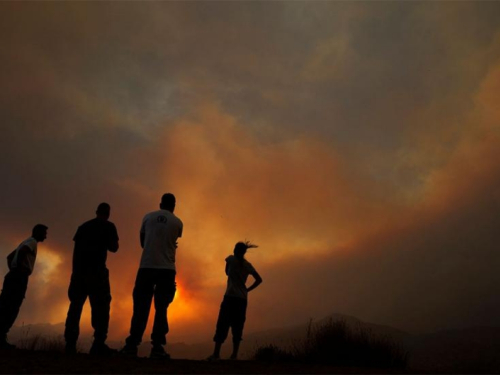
<point>168,202</point>
<point>241,248</point>
<point>103,211</point>
<point>39,232</point>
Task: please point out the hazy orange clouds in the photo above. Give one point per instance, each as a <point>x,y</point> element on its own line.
<point>356,143</point>
<point>242,186</point>
<point>469,165</point>
<point>433,265</point>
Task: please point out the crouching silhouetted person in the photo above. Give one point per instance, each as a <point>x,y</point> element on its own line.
<point>21,262</point>
<point>233,309</point>
<point>90,278</point>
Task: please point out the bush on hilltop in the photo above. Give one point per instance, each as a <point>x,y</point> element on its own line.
<point>335,343</point>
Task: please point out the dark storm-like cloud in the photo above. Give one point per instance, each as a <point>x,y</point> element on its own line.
<point>433,271</point>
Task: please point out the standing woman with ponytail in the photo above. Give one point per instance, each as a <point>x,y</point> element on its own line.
<point>234,305</point>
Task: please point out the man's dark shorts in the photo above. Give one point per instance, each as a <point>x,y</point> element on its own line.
<point>232,314</point>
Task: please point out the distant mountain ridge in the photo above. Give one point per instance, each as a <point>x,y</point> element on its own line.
<point>299,331</point>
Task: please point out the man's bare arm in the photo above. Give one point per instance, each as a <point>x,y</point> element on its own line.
<point>142,237</point>
<point>113,246</point>
<point>23,251</point>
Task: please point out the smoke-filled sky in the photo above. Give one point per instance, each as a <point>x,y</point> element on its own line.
<point>357,143</point>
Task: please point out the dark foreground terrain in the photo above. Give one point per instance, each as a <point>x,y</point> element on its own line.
<point>38,362</point>
<point>344,343</point>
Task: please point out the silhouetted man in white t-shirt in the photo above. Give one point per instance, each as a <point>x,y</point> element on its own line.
<point>21,262</point>
<point>156,277</point>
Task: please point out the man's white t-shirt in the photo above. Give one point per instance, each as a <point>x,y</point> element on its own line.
<point>237,274</point>
<point>161,229</point>
<point>28,261</point>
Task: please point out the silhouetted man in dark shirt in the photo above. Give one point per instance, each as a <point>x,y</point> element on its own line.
<point>90,278</point>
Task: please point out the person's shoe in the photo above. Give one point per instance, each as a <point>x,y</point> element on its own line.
<point>129,351</point>
<point>233,357</point>
<point>213,358</point>
<point>4,345</point>
<point>70,349</point>
<point>157,352</point>
<point>102,350</point>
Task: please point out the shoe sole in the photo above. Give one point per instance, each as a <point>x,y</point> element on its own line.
<point>131,355</point>
<point>164,357</point>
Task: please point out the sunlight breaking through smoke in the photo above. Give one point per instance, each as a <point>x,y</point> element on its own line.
<point>47,263</point>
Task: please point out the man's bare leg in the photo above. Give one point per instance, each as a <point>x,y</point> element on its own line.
<point>236,348</point>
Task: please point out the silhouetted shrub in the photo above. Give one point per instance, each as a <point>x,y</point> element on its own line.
<point>335,343</point>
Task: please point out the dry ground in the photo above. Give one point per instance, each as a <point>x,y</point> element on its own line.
<point>38,362</point>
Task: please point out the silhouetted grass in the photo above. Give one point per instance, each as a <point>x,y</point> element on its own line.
<point>335,343</point>
<point>42,343</point>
